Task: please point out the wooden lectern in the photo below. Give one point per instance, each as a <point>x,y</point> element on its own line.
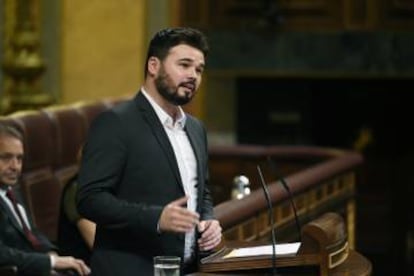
<point>324,247</point>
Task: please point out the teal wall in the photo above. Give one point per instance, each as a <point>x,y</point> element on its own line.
<point>382,53</point>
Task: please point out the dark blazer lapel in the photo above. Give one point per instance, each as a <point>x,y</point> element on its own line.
<point>11,216</point>
<point>158,130</point>
<point>197,147</point>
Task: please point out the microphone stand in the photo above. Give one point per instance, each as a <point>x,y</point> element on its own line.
<point>286,187</point>
<point>271,219</point>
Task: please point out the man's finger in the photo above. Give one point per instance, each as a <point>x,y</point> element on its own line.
<point>184,227</point>
<point>209,234</point>
<point>201,226</point>
<point>208,230</point>
<point>212,244</point>
<point>184,213</point>
<point>207,244</point>
<point>180,202</point>
<point>207,227</point>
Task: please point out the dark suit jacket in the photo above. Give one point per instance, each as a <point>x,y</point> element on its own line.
<point>15,248</point>
<point>128,174</point>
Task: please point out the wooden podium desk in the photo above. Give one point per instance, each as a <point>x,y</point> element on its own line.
<point>355,264</point>
<point>323,251</point>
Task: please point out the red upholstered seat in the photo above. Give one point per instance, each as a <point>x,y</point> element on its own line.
<point>52,138</point>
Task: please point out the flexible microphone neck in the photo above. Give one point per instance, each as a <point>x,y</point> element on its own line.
<point>271,219</point>
<point>286,187</point>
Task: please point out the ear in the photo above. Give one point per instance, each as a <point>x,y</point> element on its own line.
<point>153,66</point>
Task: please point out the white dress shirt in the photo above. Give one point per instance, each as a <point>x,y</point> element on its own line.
<point>21,209</point>
<point>186,161</point>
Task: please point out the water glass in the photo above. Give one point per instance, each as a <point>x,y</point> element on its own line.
<point>167,266</point>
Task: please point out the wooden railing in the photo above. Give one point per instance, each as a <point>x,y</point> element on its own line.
<point>324,180</point>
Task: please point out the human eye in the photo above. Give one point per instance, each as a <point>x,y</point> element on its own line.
<point>184,64</point>
<point>200,70</point>
<point>6,157</point>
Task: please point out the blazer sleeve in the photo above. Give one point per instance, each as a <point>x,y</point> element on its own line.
<point>207,211</point>
<point>27,263</point>
<point>207,207</point>
<point>103,161</point>
<point>47,245</point>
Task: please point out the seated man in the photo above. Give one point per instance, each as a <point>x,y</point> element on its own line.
<point>21,245</point>
<point>76,234</point>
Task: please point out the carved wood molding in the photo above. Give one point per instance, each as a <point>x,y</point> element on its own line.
<point>325,186</point>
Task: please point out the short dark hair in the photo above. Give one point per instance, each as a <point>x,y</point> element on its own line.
<point>10,131</point>
<point>168,38</point>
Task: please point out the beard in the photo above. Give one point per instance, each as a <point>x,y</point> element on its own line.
<point>169,91</point>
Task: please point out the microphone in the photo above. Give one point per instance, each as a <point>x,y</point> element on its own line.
<point>286,187</point>
<point>271,219</point>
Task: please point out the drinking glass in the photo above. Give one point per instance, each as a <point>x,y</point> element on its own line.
<point>167,266</point>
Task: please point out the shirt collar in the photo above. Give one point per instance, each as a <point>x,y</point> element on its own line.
<point>3,189</point>
<point>165,118</point>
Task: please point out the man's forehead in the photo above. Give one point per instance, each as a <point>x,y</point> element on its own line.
<point>187,52</point>
<point>11,141</point>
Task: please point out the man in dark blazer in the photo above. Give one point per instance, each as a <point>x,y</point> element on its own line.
<point>144,172</point>
<point>21,245</point>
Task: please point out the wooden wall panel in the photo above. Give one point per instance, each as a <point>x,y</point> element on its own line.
<point>302,15</point>
<point>361,14</point>
<point>193,13</point>
<point>290,14</point>
<point>397,14</point>
<point>315,14</point>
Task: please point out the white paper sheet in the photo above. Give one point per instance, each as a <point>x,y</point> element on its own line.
<point>284,249</point>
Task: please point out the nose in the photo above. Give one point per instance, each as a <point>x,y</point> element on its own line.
<point>192,73</point>
<point>15,163</point>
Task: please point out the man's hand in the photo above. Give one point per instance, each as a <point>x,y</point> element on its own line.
<point>210,234</point>
<point>68,262</point>
<point>176,218</point>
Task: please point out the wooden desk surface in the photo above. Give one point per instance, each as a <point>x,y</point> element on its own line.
<point>355,264</point>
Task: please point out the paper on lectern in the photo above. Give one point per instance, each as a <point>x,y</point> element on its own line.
<point>285,249</point>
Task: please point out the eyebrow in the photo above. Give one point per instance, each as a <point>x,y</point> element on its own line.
<point>192,61</point>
